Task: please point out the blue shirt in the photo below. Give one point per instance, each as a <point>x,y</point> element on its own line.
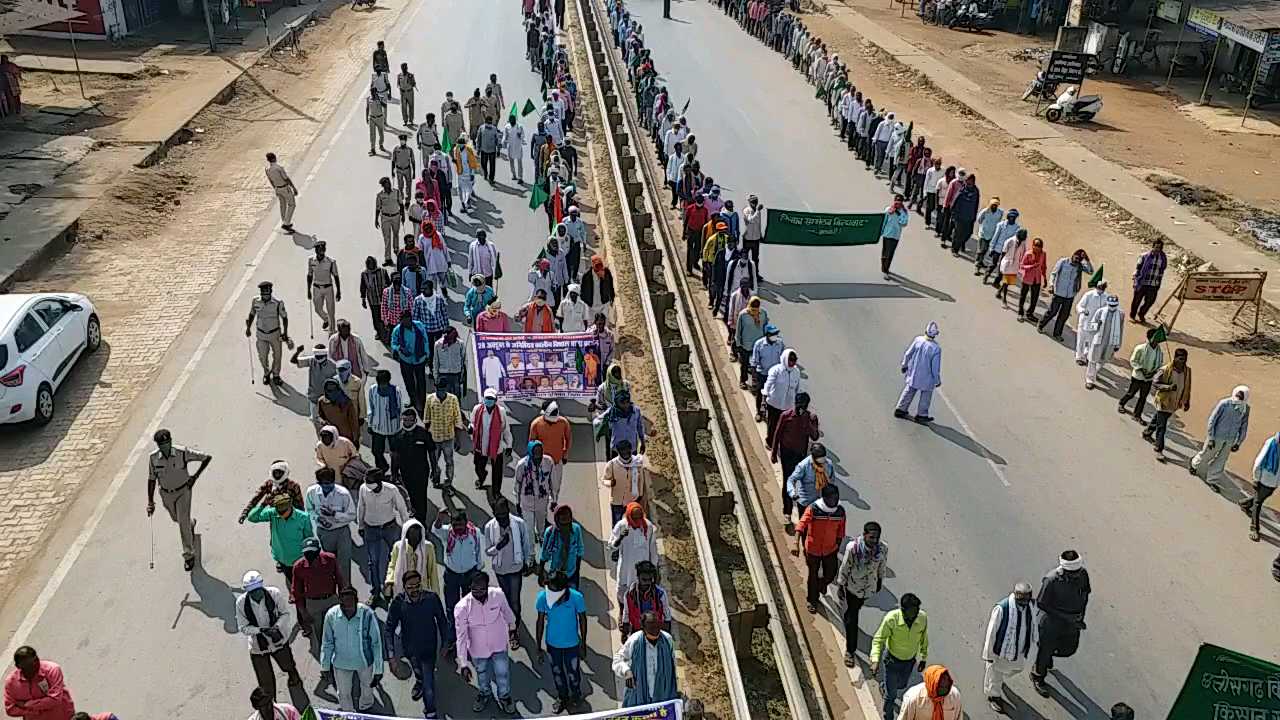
<point>562,619</point>
<point>551,549</point>
<point>351,644</point>
<point>803,483</point>
<point>405,346</point>
<point>475,302</point>
<point>629,428</point>
<point>1067,276</point>
<point>893,223</point>
<point>432,312</point>
<point>765,354</point>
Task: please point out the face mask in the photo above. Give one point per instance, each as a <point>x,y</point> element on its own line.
<point>311,555</point>
<point>652,638</point>
<point>326,488</point>
<point>539,302</point>
<point>440,394</point>
<point>490,402</point>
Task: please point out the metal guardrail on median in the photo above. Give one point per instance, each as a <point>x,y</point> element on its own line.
<point>642,208</point>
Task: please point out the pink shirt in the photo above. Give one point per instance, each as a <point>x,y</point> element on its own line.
<point>498,324</point>
<point>483,628</point>
<point>43,697</point>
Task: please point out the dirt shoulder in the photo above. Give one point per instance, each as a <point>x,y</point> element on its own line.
<point>1140,127</point>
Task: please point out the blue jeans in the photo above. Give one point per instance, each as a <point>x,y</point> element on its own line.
<point>378,540</point>
<point>424,671</point>
<point>454,585</point>
<point>565,671</point>
<point>494,670</point>
<point>897,673</point>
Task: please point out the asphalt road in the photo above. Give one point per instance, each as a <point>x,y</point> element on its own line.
<point>163,643</point>
<point>1022,462</point>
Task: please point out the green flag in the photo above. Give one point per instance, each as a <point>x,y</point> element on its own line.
<point>513,109</point>
<point>1160,334</point>
<point>529,108</point>
<point>309,714</point>
<point>1096,277</point>
<point>538,197</point>
<point>446,142</point>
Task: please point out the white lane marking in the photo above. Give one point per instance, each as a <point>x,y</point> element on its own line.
<point>995,468</point>
<point>81,541</point>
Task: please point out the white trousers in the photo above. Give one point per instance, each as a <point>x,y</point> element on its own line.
<point>1091,371</point>
<point>346,695</point>
<point>998,671</point>
<point>1211,460</point>
<point>1083,338</point>
<point>466,183</point>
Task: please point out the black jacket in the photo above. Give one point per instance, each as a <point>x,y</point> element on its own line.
<point>410,455</point>
<point>421,624</point>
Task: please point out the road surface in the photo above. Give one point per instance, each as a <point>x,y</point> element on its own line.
<point>163,643</point>
<point>1022,462</point>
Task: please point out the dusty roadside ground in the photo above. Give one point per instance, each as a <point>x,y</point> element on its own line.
<point>1152,131</point>
<point>700,667</point>
<point>192,210</point>
<point>1068,216</point>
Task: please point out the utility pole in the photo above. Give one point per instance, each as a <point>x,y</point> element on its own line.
<point>208,26</point>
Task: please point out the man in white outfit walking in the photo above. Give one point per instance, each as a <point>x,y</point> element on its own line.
<point>1012,638</point>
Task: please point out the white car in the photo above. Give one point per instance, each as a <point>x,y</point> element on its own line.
<point>41,337</point>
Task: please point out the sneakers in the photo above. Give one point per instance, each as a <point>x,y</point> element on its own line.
<point>506,705</point>
<point>416,693</point>
<point>899,413</point>
<point>1253,535</point>
<point>923,419</point>
<point>188,564</point>
<point>482,702</point>
<point>849,660</point>
<point>996,704</point>
<point>1041,689</point>
<point>266,379</point>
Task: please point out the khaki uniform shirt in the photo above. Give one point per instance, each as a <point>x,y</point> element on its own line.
<point>387,203</point>
<point>374,110</point>
<point>402,159</point>
<point>270,315</point>
<point>278,178</point>
<point>323,271</point>
<point>170,473</point>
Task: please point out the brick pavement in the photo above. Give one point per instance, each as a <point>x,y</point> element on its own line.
<point>42,470</point>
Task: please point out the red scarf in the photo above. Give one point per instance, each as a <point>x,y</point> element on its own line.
<point>534,324</point>
<point>495,430</point>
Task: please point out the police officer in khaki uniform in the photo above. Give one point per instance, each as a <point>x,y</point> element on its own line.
<point>388,216</point>
<point>375,113</point>
<point>285,191</point>
<point>404,167</point>
<point>168,468</point>
<point>323,285</point>
<point>273,330</point>
<point>406,83</point>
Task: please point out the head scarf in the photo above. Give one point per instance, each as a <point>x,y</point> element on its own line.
<point>333,432</point>
<point>1241,392</point>
<point>754,312</point>
<point>643,525</point>
<point>455,536</point>
<point>597,265</point>
<point>429,231</point>
<point>613,386</point>
<point>1076,564</point>
<point>283,466</point>
<point>334,393</point>
<point>932,330</point>
<point>932,675</point>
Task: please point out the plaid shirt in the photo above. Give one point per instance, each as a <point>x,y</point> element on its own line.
<point>394,300</point>
<point>432,312</point>
<point>1150,270</point>
<point>372,283</point>
<point>443,416</point>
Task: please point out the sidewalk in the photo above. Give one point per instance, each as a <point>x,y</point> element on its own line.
<point>65,174</point>
<point>1180,225</point>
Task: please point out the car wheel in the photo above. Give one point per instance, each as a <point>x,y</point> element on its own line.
<point>93,334</point>
<point>1053,115</point>
<point>44,405</point>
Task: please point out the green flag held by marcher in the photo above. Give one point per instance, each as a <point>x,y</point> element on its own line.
<point>513,109</point>
<point>446,142</point>
<point>529,108</point>
<point>538,197</point>
<point>1160,334</point>
<point>1096,277</point>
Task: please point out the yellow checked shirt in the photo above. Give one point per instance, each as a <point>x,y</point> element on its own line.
<point>443,416</point>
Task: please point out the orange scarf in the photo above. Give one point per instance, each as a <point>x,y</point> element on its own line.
<point>640,524</point>
<point>429,230</point>
<point>597,266</point>
<point>932,675</point>
<point>820,478</point>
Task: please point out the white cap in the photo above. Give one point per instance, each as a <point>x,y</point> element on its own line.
<point>491,393</point>
<point>252,580</point>
<point>575,288</point>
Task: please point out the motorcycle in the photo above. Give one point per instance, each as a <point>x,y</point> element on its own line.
<point>972,16</point>
<point>1039,88</point>
<point>1069,107</point>
<point>367,3</point>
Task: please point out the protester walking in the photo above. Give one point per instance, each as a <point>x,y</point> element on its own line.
<point>351,653</point>
<point>902,642</point>
<point>380,515</point>
<point>922,373</point>
<point>1068,274</point>
<point>562,624</point>
<point>317,579</point>
<point>1145,362</point>
<point>1147,276</point>
<point>821,531</point>
<point>483,622</point>
<point>508,543</point>
<point>646,664</point>
<point>1107,330</point>
<point>332,509</point>
<point>262,614</point>
<point>1226,431</point>
<point>1063,599</point>
<point>418,615</point>
<point>1011,642</point>
<point>1173,393</point>
<point>896,218</point>
<point>1091,302</point>
<point>934,699</point>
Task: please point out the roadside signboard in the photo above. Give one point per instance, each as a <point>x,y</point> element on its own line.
<point>1227,684</point>
<point>795,227</point>
<point>1244,287</point>
<point>1204,22</point>
<point>1170,10</point>
<point>1066,68</point>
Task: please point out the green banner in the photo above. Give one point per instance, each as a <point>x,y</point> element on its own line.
<point>1227,684</point>
<point>794,227</point>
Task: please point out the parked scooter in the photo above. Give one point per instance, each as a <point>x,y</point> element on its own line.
<point>1039,88</point>
<point>1070,107</point>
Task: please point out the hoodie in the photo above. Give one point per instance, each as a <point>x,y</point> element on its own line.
<point>338,454</point>
<point>405,557</point>
<point>782,383</point>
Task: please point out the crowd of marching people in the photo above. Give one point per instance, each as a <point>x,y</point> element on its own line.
<point>723,249</point>
<point>382,447</point>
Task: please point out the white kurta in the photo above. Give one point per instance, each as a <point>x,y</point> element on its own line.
<point>1089,304</point>
<point>1107,325</point>
<point>632,547</point>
